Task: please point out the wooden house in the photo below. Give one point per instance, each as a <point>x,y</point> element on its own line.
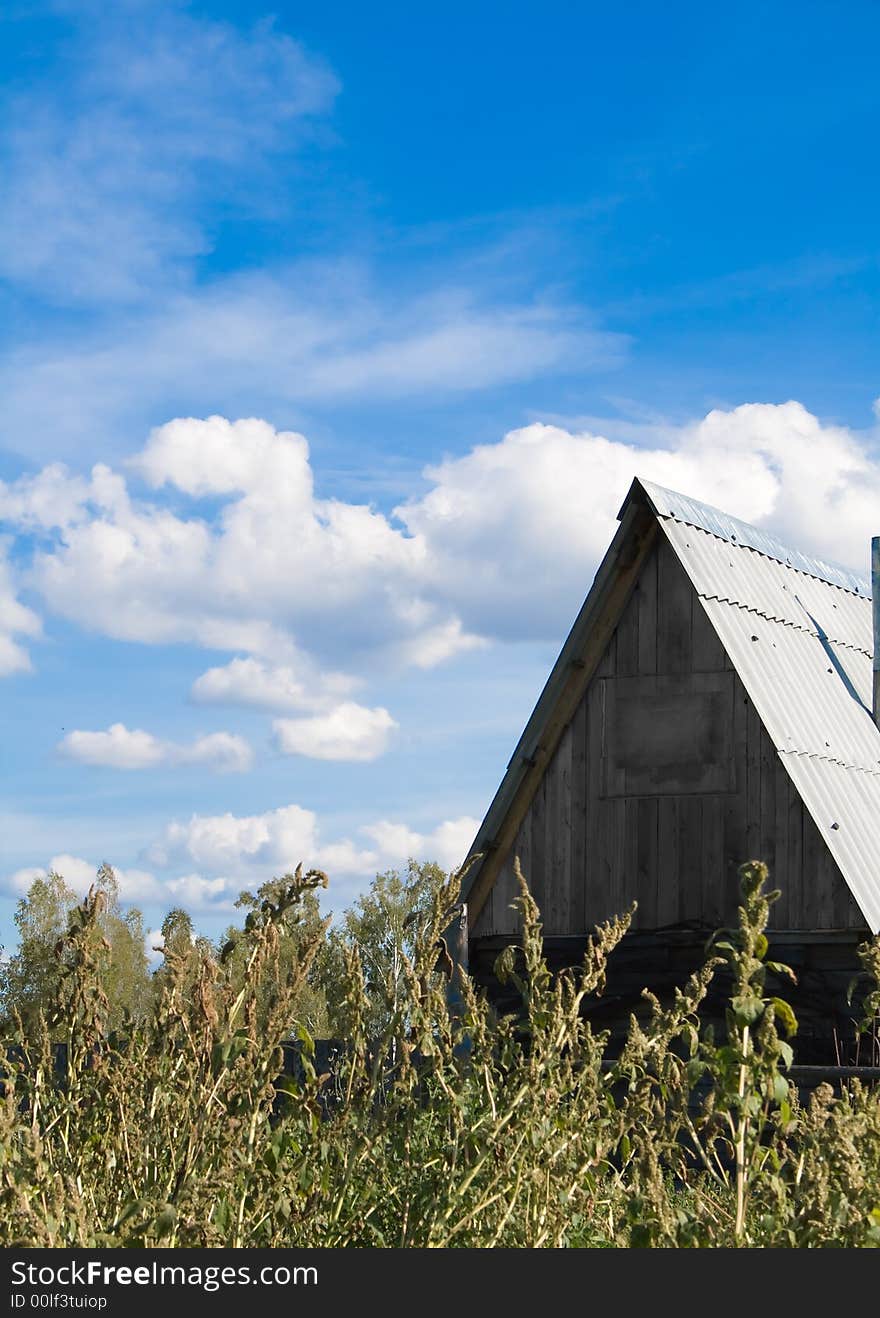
<point>713,703</point>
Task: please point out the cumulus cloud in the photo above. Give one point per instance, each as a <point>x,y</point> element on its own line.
<point>15,620</point>
<point>434,645</point>
<point>135,885</point>
<point>276,562</point>
<point>206,861</point>
<point>193,892</point>
<point>120,747</point>
<point>253,847</point>
<point>54,497</point>
<point>501,546</point>
<point>348,732</point>
<point>274,687</point>
<point>513,531</point>
<point>447,844</point>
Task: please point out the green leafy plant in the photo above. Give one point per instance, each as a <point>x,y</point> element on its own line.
<point>438,1122</point>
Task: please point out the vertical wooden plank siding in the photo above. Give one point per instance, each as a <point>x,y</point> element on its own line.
<point>767,833</point>
<point>754,741</point>
<point>781,876</point>
<point>626,658</point>
<point>579,789</point>
<point>557,844</point>
<point>587,853</point>
<point>629,888</point>
<point>712,876</point>
<point>737,844</point>
<point>647,870</point>
<point>593,867</point>
<point>646,597</point>
<point>668,861</point>
<point>795,852</point>
<point>708,654</point>
<point>538,811</point>
<point>675,599</point>
<point>690,855</point>
<point>820,893</point>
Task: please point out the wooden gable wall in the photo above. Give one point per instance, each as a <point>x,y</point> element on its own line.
<point>663,782</point>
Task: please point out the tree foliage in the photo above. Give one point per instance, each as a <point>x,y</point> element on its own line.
<point>385,925</point>
<point>30,978</point>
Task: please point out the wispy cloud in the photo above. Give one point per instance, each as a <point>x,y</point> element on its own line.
<point>110,160</point>
<point>122,167</point>
<point>293,337</point>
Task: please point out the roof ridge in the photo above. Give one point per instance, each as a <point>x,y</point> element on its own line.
<point>714,521</point>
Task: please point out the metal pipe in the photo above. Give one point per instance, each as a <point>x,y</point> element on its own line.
<point>875,593</point>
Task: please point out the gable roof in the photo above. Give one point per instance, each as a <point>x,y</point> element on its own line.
<point>799,633</point>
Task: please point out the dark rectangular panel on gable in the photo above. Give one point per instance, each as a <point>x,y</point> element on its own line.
<point>668,736</point>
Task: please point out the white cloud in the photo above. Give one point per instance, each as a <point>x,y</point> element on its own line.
<point>15,620</point>
<point>502,546</point>
<point>290,337</point>
<point>255,845</point>
<point>447,844</point>
<point>224,752</point>
<point>513,531</point>
<point>135,885</point>
<point>124,163</point>
<point>275,687</point>
<point>278,561</point>
<point>110,161</point>
<point>120,747</point>
<point>348,732</point>
<point>209,859</point>
<point>195,893</point>
<point>154,942</point>
<point>52,498</point>
<point>117,748</point>
<point>436,644</point>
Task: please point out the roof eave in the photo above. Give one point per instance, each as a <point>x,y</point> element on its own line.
<point>612,584</point>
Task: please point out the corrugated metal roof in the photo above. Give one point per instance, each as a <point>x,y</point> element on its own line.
<point>743,576</point>
<point>812,697</point>
<point>668,503</point>
<point>799,632</point>
<point>845,804</point>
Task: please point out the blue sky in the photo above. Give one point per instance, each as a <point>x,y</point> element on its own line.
<point>332,338</point>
